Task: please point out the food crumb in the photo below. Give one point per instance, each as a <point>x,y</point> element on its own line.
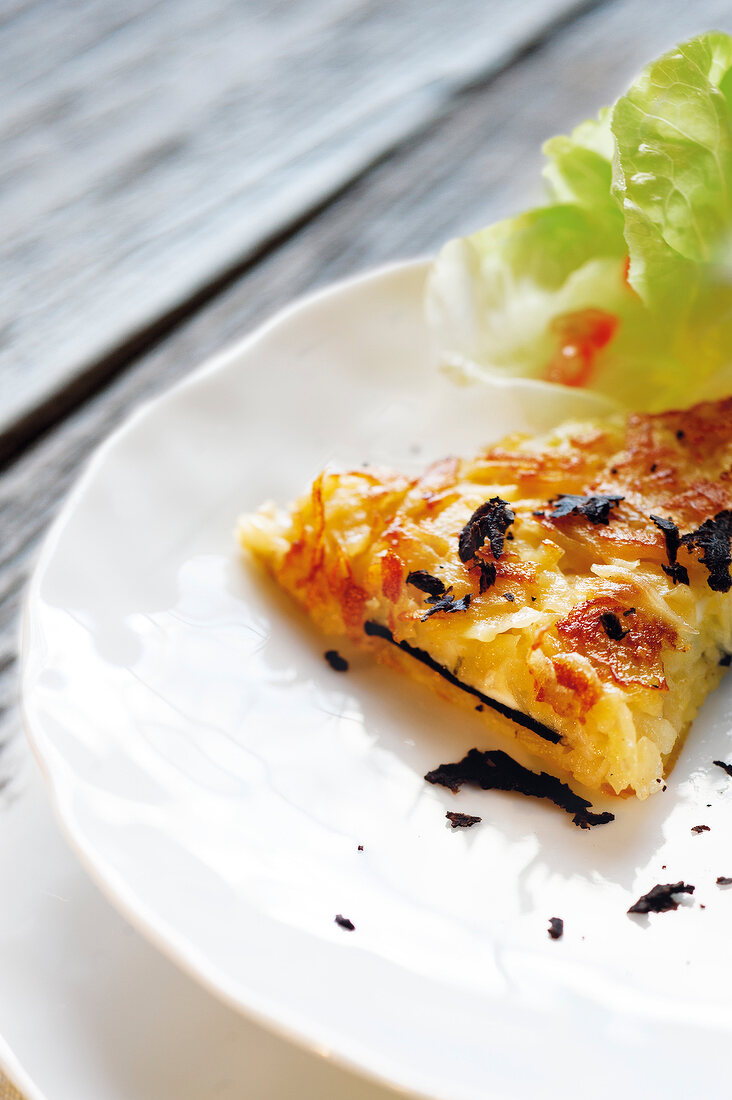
<point>344,922</point>
<point>495,770</point>
<point>425,582</point>
<point>336,662</point>
<point>556,928</point>
<point>488,524</point>
<point>660,898</point>
<point>446,603</point>
<point>594,507</point>
<point>360,847</point>
<point>611,625</point>
<point>700,829</point>
<point>461,821</point>
<point>723,880</point>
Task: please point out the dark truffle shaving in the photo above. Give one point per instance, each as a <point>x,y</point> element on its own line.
<point>488,523</point>
<point>487,575</point>
<point>446,603</point>
<point>462,821</point>
<point>661,898</point>
<point>495,770</point>
<point>712,540</point>
<point>378,630</point>
<point>679,574</point>
<point>700,829</point>
<point>425,582</point>
<point>596,508</point>
<point>336,662</point>
<point>722,880</point>
<point>611,626</point>
<point>344,922</point>
<point>725,767</point>
<point>556,928</point>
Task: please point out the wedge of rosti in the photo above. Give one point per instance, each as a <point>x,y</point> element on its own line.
<point>576,586</point>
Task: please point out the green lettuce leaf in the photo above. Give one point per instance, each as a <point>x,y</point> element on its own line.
<point>623,284</point>
<point>580,167</point>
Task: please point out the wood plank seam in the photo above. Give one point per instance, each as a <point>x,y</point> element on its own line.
<point>59,400</point>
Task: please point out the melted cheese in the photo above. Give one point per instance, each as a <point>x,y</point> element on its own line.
<point>617,706</point>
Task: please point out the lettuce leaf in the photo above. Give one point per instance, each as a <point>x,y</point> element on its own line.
<point>623,283</point>
<point>580,166</point>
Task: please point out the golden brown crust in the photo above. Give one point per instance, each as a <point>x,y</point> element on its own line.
<point>633,659</point>
<point>677,463</point>
<point>576,622</point>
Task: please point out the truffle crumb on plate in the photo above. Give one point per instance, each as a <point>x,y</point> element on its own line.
<point>461,821</point>
<point>496,770</point>
<point>660,899</point>
<point>336,662</point>
<point>556,928</point>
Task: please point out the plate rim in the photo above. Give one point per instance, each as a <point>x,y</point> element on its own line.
<point>359,1060</point>
<point>42,1070</point>
<point>341,1045</point>
<point>16,1076</point>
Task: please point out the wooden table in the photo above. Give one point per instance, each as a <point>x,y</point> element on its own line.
<point>174,171</point>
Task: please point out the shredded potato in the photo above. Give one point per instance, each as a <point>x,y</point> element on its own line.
<point>583,644</point>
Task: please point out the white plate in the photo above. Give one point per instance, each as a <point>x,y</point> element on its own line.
<point>216,776</point>
<point>89,1011</point>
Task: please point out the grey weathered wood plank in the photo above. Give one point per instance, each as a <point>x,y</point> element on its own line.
<point>477,163</point>
<point>150,146</point>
